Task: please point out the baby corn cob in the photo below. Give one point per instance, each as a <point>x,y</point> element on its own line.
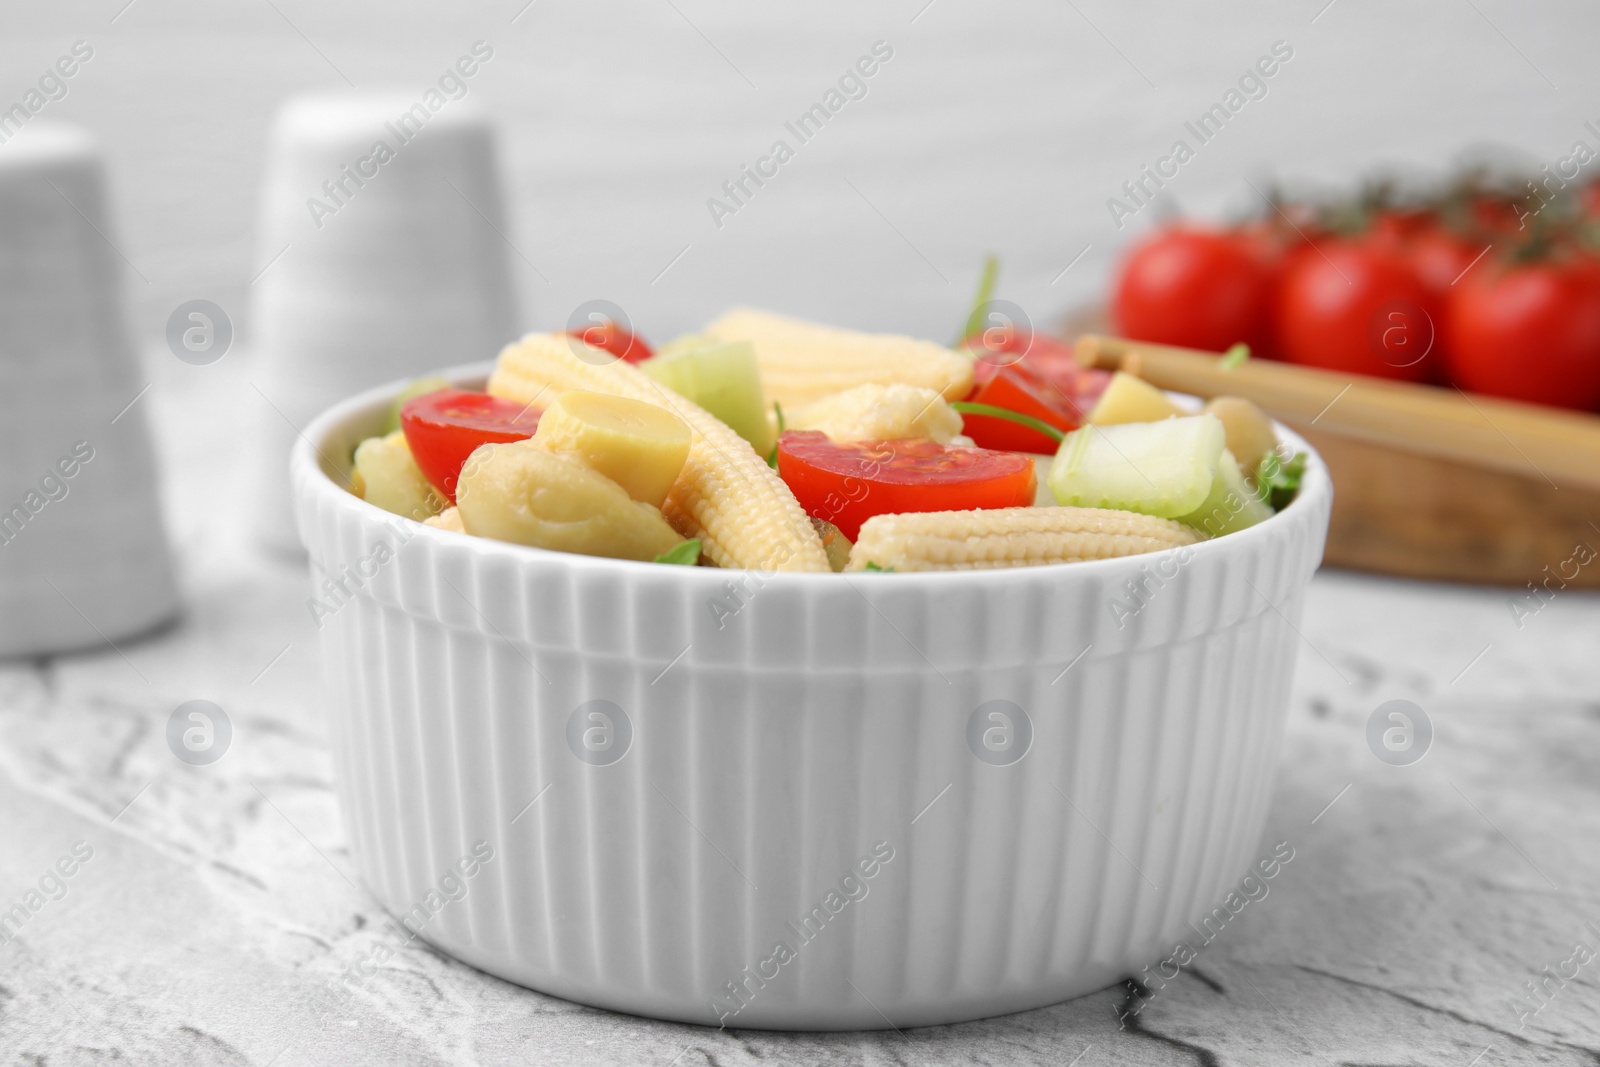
<point>802,362</point>
<point>726,495</point>
<point>880,413</point>
<point>1009,537</point>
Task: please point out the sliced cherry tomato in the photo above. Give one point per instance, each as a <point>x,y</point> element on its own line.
<point>1018,388</point>
<point>997,343</point>
<point>1091,383</point>
<point>848,483</point>
<point>1004,346</point>
<point>614,339</point>
<point>444,427</point>
<point>1067,386</point>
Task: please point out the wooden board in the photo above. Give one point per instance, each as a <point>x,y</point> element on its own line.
<point>1406,514</point>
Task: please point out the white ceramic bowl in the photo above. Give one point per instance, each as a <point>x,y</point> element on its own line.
<point>748,761</point>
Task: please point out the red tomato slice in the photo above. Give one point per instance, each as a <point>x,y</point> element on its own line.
<point>444,427</point>
<point>1090,385</point>
<point>1049,370</point>
<point>1006,345</point>
<point>1017,388</point>
<point>614,339</point>
<point>848,483</point>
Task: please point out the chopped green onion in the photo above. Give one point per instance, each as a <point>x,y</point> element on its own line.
<point>871,566</point>
<point>985,293</point>
<point>772,457</point>
<point>967,407</point>
<point>1236,355</point>
<point>685,553</point>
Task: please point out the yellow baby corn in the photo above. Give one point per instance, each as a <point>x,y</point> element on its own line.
<point>1009,537</point>
<point>802,362</point>
<point>880,413</point>
<point>726,495</point>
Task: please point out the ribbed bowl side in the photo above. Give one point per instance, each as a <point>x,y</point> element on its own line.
<point>718,866</point>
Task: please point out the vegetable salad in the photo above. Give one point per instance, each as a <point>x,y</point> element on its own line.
<point>775,444</point>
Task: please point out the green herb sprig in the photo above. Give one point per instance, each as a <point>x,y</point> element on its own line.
<point>684,553</point>
<point>967,407</point>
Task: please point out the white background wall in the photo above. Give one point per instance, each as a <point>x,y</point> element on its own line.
<point>996,127</point>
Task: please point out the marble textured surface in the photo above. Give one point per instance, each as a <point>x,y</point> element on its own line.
<point>219,900</point>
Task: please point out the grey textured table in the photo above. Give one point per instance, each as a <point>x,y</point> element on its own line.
<point>220,900</point>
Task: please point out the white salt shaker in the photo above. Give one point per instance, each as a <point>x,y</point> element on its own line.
<point>385,230</point>
<point>83,551</point>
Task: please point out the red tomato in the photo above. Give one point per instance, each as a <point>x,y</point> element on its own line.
<point>1403,224</point>
<point>1071,387</point>
<point>1050,358</point>
<point>1275,235</point>
<point>1438,253</point>
<point>848,483</point>
<point>1589,198</point>
<point>1010,343</point>
<point>1528,332</point>
<point>444,427</point>
<point>1091,383</point>
<point>614,339</point>
<point>1497,213</point>
<point>1356,306</point>
<point>1198,288</point>
<point>1439,257</point>
<point>1018,388</point>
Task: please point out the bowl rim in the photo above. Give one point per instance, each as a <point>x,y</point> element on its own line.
<point>308,461</point>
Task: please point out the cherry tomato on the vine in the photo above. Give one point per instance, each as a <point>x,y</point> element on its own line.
<point>1198,288</point>
<point>1529,331</point>
<point>1358,306</point>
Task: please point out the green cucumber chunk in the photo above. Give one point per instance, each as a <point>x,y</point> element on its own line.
<point>1231,505</point>
<point>1161,468</point>
<point>722,378</point>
